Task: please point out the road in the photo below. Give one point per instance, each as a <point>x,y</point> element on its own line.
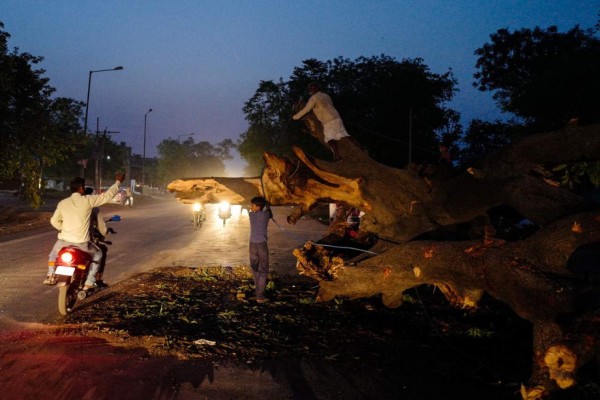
<point>155,234</point>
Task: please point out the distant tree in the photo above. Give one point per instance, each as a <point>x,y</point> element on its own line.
<point>251,145</point>
<point>189,159</point>
<point>483,138</point>
<point>37,130</point>
<point>75,162</point>
<point>115,159</point>
<point>269,113</point>
<point>209,159</point>
<point>376,98</point>
<point>543,76</point>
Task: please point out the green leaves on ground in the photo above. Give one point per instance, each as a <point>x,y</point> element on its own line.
<point>207,313</point>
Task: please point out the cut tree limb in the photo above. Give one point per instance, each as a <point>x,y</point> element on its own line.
<point>215,190</point>
<point>537,277</point>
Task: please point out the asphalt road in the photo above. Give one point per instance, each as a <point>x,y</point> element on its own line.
<point>156,234</point>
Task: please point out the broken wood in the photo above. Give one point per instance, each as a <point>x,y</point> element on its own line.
<point>213,190</point>
<point>404,208</point>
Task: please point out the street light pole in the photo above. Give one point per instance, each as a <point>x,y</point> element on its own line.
<point>180,136</point>
<point>87,103</point>
<point>144,154</point>
<point>85,121</point>
<point>410,136</point>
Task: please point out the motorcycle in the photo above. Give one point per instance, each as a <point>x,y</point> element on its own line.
<point>72,268</point>
<point>198,215</point>
<point>224,211</point>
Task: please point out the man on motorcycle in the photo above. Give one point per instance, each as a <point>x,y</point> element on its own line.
<point>72,219</point>
<point>98,233</point>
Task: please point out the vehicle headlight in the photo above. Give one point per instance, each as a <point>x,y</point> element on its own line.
<point>197,207</point>
<point>224,206</point>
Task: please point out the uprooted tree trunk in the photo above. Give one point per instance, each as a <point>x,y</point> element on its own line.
<point>537,277</point>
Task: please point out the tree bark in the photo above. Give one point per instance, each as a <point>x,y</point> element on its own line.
<point>537,277</point>
<point>215,190</point>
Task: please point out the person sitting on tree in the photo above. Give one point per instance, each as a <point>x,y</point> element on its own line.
<point>333,127</point>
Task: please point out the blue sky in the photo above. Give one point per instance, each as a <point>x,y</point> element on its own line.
<point>195,63</point>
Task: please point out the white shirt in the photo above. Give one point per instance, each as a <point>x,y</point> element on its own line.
<point>321,104</point>
<point>72,215</point>
<point>99,220</point>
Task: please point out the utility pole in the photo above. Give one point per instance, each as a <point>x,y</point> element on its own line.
<point>410,135</point>
<point>98,155</point>
<point>144,155</point>
<point>106,132</point>
<point>96,159</point>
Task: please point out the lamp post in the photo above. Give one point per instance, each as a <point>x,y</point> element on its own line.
<point>180,136</point>
<point>144,154</point>
<point>87,103</point>
<point>85,121</point>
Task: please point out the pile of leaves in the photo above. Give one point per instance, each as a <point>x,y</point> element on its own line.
<point>207,314</point>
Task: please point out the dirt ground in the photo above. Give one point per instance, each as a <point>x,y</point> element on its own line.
<point>193,333</point>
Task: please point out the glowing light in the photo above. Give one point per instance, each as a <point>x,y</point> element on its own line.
<point>197,207</point>
<point>224,211</point>
<point>66,258</point>
<point>224,206</point>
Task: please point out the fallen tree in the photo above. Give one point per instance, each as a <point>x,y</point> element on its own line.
<point>548,278</point>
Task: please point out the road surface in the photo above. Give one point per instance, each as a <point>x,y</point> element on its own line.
<point>156,234</point>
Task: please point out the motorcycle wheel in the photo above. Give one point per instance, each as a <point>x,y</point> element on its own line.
<point>66,299</point>
<point>197,221</point>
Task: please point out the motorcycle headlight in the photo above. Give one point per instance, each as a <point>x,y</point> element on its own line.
<point>224,207</point>
<point>197,207</point>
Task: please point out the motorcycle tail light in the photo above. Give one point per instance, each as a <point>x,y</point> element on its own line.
<point>66,258</point>
<point>74,257</point>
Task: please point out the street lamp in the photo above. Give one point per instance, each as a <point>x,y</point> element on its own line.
<point>144,155</point>
<point>180,136</point>
<point>87,104</point>
<point>87,108</point>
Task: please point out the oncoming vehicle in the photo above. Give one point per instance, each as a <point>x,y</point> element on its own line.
<point>224,211</point>
<point>198,215</point>
<point>120,197</point>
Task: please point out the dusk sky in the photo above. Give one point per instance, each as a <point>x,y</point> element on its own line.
<point>195,63</point>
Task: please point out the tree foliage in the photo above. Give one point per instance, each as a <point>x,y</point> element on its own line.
<point>269,113</point>
<point>189,159</point>
<point>376,97</point>
<point>115,158</point>
<point>66,169</point>
<point>251,146</point>
<point>37,129</point>
<point>483,138</point>
<point>542,75</point>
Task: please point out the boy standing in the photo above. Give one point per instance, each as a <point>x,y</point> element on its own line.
<point>260,213</point>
